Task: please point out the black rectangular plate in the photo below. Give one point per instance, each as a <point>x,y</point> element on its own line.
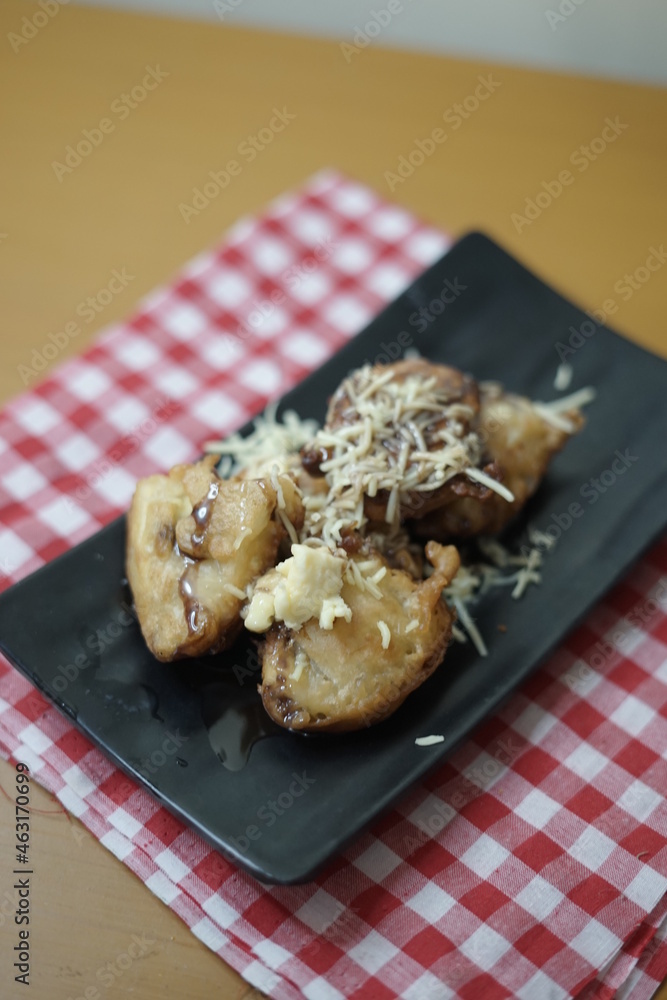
<point>169,725</point>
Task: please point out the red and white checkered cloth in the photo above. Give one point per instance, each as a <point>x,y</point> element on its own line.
<point>533,863</point>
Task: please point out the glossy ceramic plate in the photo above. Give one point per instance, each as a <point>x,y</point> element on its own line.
<point>194,733</point>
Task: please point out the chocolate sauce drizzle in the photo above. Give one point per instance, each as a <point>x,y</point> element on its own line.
<point>186,588</point>
<point>202,514</point>
<point>187,585</point>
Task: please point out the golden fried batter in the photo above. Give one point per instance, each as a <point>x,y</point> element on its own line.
<point>520,444</point>
<point>194,543</point>
<point>358,672</point>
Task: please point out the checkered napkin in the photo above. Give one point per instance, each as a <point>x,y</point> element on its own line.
<point>533,863</point>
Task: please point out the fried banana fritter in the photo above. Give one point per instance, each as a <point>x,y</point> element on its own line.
<point>194,544</point>
<point>410,452</point>
<point>358,671</point>
<point>450,384</point>
<point>520,443</point>
<point>414,424</point>
<point>422,443</point>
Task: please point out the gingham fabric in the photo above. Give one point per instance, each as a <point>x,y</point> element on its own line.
<point>533,863</point>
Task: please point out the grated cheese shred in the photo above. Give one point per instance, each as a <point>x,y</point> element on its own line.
<point>563,376</point>
<point>429,741</point>
<point>289,527</point>
<point>385,633</point>
<point>556,411</point>
<point>497,567</point>
<point>268,439</point>
<point>470,627</point>
<point>397,436</point>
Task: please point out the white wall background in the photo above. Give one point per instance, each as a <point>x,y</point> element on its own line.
<point>612,38</point>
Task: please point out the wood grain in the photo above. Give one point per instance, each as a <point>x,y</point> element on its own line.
<point>61,239</point>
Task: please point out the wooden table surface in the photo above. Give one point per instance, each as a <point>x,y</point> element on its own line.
<point>64,230</point>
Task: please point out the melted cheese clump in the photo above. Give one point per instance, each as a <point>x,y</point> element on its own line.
<point>305,586</point>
